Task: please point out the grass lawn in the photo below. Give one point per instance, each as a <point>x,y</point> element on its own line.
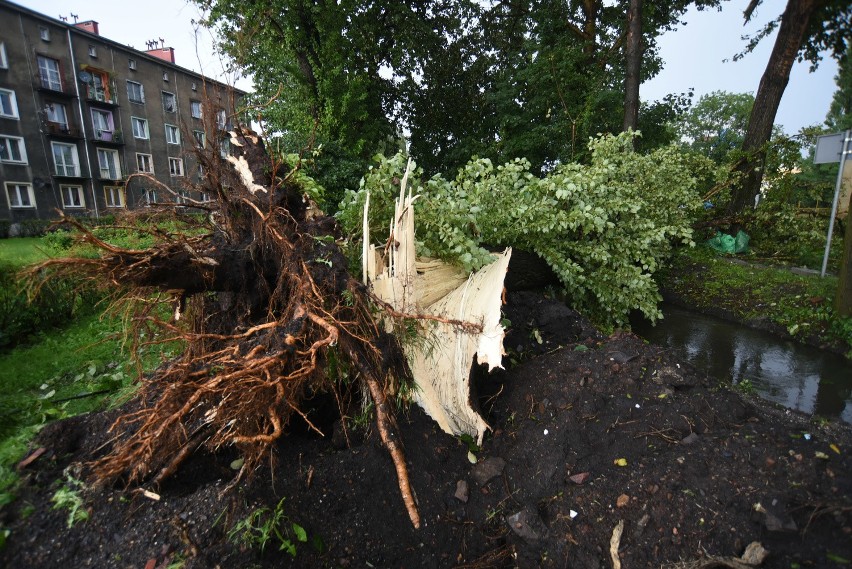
<point>21,251</point>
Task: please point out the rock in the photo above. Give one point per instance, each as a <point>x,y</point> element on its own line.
<point>462,491</point>
<point>579,478</point>
<point>775,516</point>
<point>528,526</point>
<point>488,469</point>
<point>754,554</point>
<point>622,501</point>
<point>689,439</point>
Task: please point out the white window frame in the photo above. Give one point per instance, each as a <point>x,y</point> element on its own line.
<point>200,138</point>
<point>141,99</point>
<point>80,195</point>
<point>50,109</point>
<point>93,51</point>
<point>63,168</point>
<point>172,134</point>
<point>18,186</point>
<point>149,197</point>
<point>176,172</point>
<point>44,33</point>
<point>46,73</point>
<point>144,133</point>
<point>109,123</point>
<point>12,111</point>
<point>165,95</point>
<point>4,59</point>
<point>21,147</point>
<point>104,169</point>
<point>110,195</point>
<point>193,107</point>
<point>131,64</point>
<point>146,160</point>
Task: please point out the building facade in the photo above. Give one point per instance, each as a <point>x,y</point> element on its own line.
<point>81,116</point>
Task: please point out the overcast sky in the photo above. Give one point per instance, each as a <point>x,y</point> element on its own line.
<point>693,54</point>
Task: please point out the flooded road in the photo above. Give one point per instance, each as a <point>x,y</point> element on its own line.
<point>791,374</point>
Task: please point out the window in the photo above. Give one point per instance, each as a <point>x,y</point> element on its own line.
<point>114,196</point>
<point>20,195</point>
<point>145,163</point>
<point>98,88</point>
<point>72,196</point>
<point>102,123</point>
<point>194,86</point>
<point>175,167</point>
<point>172,134</point>
<point>225,148</point>
<point>140,127</point>
<point>205,197</point>
<point>4,62</point>
<point>169,102</point>
<point>183,196</point>
<point>165,76</point>
<point>150,197</point>
<point>8,104</point>
<point>93,51</point>
<point>48,72</point>
<point>55,113</point>
<point>65,159</point>
<point>135,92</point>
<point>195,109</point>
<point>221,119</point>
<point>131,64</point>
<point>44,33</point>
<point>108,163</point>
<point>12,150</point>
<point>200,170</point>
<point>200,138</point>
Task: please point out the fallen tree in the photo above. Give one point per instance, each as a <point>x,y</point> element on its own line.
<point>260,294</point>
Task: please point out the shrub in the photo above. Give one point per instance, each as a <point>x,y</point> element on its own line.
<point>33,227</point>
<point>55,303</point>
<point>604,228</point>
<point>5,225</point>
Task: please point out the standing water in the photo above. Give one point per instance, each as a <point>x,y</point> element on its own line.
<point>791,374</point>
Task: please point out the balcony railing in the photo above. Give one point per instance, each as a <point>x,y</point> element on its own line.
<point>62,130</point>
<point>110,136</point>
<point>101,94</point>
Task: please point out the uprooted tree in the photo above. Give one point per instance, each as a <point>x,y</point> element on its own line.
<point>261,296</point>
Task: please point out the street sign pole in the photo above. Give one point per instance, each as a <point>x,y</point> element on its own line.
<point>847,137</point>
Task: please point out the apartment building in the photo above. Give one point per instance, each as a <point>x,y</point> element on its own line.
<point>80,114</point>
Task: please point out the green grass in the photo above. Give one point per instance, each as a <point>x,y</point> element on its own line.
<point>802,305</point>
<point>22,251</point>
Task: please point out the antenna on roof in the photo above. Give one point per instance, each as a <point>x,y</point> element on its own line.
<point>162,43</point>
<point>73,15</point>
<point>63,18</point>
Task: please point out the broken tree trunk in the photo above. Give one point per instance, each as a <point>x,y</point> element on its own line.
<point>458,317</point>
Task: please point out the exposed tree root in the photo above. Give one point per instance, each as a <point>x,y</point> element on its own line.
<point>260,296</point>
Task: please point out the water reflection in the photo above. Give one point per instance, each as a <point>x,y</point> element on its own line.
<point>796,376</point>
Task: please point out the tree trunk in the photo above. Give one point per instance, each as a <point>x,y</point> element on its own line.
<point>794,23</point>
<point>843,300</point>
<point>633,57</point>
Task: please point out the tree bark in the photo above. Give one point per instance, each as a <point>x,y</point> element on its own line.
<point>794,23</point>
<point>843,299</point>
<point>633,57</point>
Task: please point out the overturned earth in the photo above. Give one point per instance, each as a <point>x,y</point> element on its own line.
<point>604,452</point>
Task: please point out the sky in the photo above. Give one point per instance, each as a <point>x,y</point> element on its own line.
<point>694,54</point>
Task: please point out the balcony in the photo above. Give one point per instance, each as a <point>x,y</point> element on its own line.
<point>57,87</point>
<point>109,137</point>
<point>58,130</point>
<point>101,94</point>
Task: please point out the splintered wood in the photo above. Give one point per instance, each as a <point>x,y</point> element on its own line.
<point>459,317</point>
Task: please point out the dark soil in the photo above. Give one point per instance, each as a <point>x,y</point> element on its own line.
<point>588,432</point>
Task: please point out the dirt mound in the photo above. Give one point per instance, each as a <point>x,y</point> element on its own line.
<point>587,434</point>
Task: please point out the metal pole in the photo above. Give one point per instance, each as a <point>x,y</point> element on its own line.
<point>846,139</point>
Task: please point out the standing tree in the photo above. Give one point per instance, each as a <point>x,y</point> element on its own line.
<point>807,28</point>
<point>633,58</point>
